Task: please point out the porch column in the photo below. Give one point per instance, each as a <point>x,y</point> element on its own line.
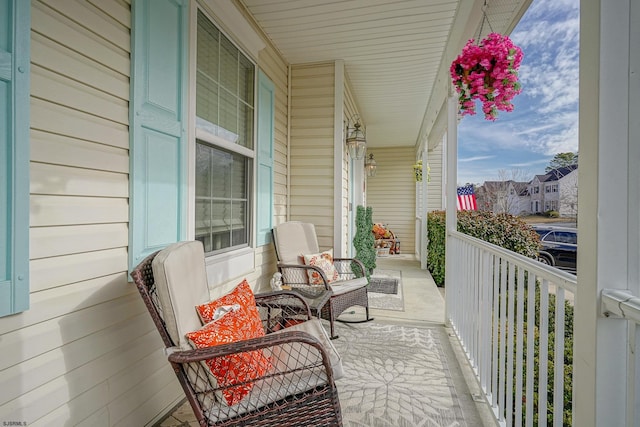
<point>424,188</point>
<point>451,180</point>
<point>608,211</point>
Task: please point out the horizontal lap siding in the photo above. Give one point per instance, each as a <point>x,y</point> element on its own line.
<point>391,193</point>
<point>312,174</point>
<point>434,196</point>
<point>86,353</point>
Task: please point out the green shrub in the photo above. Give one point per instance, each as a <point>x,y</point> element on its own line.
<point>552,214</point>
<point>503,230</point>
<point>363,241</point>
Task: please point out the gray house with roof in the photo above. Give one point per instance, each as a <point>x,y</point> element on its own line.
<point>556,190</point>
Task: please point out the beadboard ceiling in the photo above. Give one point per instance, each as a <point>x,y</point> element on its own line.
<point>396,52</point>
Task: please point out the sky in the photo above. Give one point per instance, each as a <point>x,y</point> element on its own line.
<point>521,143</point>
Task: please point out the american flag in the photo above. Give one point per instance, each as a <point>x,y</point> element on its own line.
<point>466,199</point>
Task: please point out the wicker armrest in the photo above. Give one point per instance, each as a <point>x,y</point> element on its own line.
<point>342,264</point>
<point>293,278</point>
<point>269,340</point>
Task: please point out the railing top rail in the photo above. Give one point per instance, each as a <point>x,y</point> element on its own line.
<point>559,278</point>
<point>620,303</point>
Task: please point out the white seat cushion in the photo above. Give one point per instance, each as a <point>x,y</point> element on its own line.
<point>343,286</point>
<point>314,327</point>
<point>181,283</point>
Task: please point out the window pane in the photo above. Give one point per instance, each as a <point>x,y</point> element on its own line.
<point>207,99</point>
<point>245,88</point>
<point>239,223</point>
<point>229,65</point>
<point>221,173</point>
<point>229,116</point>
<point>203,171</point>
<point>245,126</point>
<point>221,198</point>
<point>208,57</point>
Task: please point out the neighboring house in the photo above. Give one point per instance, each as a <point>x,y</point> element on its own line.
<point>556,190</point>
<point>503,197</point>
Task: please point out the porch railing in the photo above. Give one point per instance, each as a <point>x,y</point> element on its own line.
<point>507,311</point>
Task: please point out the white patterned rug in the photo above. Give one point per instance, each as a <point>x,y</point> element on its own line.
<point>387,301</point>
<point>395,376</point>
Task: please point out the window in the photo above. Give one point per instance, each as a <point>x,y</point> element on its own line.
<point>225,140</point>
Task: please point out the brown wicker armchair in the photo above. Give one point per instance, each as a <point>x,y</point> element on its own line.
<point>297,390</point>
<point>292,240</point>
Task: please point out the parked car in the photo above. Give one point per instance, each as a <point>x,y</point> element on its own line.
<point>559,246</point>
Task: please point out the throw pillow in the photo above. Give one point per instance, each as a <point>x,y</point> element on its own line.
<point>241,294</point>
<point>241,368</point>
<point>324,260</point>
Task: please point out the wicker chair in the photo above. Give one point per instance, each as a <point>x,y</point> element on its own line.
<point>299,387</point>
<point>292,240</point>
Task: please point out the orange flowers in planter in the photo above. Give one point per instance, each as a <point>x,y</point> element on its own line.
<point>487,72</point>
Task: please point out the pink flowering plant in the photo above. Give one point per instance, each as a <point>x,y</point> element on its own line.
<point>487,72</point>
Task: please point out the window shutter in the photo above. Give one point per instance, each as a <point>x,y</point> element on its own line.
<point>15,36</point>
<point>158,119</point>
<point>264,181</point>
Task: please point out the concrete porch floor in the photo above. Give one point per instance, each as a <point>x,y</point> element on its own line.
<point>423,306</point>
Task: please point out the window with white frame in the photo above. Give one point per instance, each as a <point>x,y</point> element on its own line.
<point>225,85</point>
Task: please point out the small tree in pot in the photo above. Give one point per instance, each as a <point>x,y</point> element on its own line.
<point>363,240</point>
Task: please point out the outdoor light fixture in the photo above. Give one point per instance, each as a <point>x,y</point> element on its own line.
<point>356,141</point>
<point>370,166</point>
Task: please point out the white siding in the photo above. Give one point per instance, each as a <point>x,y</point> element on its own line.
<point>391,193</point>
<point>434,188</point>
<point>312,138</point>
<point>86,352</point>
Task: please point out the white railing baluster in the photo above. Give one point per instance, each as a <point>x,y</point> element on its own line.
<point>511,321</point>
<point>494,332</point>
<point>503,338</point>
<point>558,362</point>
<point>543,353</point>
<point>531,324</point>
<point>485,363</point>
<point>519,345</point>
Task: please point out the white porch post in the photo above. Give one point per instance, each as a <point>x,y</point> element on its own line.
<point>423,215</point>
<point>608,216</point>
<point>450,186</point>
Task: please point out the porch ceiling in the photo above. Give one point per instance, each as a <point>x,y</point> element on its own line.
<point>396,52</point>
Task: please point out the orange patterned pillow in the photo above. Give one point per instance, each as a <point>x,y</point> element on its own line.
<point>324,260</point>
<point>241,294</point>
<point>242,322</point>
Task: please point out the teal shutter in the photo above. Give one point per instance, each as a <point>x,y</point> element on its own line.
<point>264,182</point>
<point>15,33</point>
<point>157,133</point>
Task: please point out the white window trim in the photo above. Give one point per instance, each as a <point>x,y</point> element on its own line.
<point>225,266</point>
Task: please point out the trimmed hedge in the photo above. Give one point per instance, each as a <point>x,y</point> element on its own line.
<point>503,230</point>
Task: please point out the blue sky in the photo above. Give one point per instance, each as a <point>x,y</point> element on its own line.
<point>545,119</point>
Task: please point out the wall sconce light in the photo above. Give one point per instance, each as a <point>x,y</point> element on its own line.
<point>356,139</point>
<point>370,166</point>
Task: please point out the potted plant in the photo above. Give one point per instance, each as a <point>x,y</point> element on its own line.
<point>487,72</point>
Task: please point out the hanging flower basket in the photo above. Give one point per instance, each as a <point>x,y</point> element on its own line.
<point>487,72</point>
<point>417,171</point>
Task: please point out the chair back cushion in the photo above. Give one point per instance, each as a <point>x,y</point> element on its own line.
<point>293,239</point>
<point>181,282</point>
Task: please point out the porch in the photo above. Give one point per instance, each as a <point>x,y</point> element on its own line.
<point>423,309</point>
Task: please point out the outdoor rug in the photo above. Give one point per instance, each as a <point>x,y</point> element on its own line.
<point>383,285</point>
<point>383,300</point>
<point>395,376</point>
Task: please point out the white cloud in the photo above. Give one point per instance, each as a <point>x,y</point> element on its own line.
<point>475,159</point>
